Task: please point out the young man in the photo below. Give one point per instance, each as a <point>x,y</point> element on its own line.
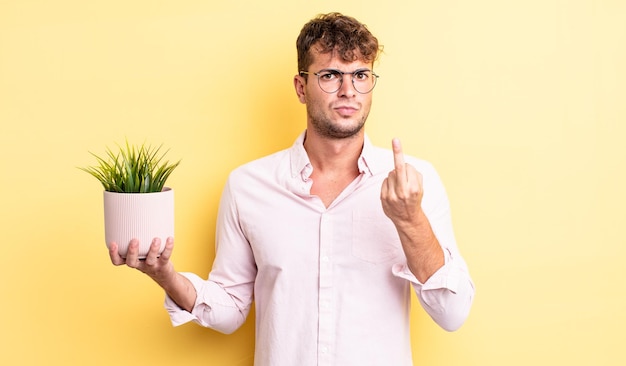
<point>329,236</point>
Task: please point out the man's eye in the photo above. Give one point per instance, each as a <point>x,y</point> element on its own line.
<point>328,76</point>
<point>361,75</point>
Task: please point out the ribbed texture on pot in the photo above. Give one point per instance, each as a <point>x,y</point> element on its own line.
<point>143,216</point>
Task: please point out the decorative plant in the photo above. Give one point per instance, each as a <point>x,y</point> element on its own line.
<point>133,169</point>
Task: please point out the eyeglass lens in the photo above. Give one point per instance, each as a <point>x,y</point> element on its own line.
<point>331,80</point>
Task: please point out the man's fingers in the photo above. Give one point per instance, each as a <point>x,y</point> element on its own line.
<point>116,259</point>
<point>398,159</point>
<point>167,251</point>
<point>132,254</point>
<point>153,253</point>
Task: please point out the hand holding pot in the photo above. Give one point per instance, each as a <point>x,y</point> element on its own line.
<point>156,266</point>
<point>159,268</point>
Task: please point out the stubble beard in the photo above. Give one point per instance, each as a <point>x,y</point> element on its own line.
<point>327,127</point>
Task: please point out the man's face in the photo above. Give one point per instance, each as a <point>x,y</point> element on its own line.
<point>339,114</point>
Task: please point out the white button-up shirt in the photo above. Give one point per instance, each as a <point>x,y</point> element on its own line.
<point>330,284</point>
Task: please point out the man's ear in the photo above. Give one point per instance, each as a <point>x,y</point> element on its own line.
<point>299,83</point>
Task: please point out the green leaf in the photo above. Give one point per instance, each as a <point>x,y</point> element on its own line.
<point>132,169</point>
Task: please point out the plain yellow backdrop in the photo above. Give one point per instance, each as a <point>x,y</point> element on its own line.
<point>521,106</point>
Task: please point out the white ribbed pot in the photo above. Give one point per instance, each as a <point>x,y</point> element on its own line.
<point>143,216</point>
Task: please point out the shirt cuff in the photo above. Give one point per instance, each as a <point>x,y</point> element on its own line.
<point>444,278</point>
<point>179,316</point>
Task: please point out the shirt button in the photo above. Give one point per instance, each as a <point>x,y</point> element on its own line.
<point>324,350</point>
<point>325,259</point>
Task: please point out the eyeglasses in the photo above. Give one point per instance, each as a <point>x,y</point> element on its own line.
<point>330,80</point>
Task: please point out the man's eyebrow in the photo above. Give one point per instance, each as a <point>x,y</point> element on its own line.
<point>346,72</point>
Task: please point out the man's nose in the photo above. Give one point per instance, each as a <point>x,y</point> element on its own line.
<point>347,87</point>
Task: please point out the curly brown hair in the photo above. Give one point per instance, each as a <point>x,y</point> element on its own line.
<point>335,32</point>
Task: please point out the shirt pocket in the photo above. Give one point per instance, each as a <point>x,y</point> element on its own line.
<point>374,238</point>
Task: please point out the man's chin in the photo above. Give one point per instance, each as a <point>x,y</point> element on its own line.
<point>345,133</point>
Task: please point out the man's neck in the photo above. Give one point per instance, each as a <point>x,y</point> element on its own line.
<point>335,164</point>
<point>334,155</point>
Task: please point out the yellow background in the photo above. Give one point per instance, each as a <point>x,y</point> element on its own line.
<point>519,104</point>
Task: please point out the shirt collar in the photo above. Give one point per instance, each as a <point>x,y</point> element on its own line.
<point>301,165</point>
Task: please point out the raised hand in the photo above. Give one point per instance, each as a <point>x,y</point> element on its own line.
<point>402,190</point>
<point>401,196</point>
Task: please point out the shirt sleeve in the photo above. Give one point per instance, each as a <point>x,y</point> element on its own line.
<point>223,300</point>
<point>448,294</point>
<point>214,307</point>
